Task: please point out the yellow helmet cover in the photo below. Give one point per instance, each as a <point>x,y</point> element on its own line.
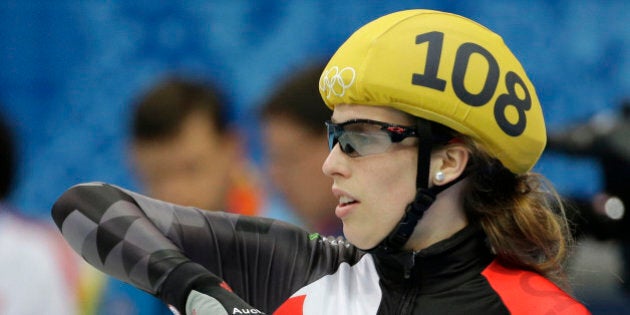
<point>444,68</point>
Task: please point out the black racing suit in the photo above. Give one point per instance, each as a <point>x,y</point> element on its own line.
<point>280,268</point>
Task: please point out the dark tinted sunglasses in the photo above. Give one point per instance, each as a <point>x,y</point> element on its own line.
<point>361,137</point>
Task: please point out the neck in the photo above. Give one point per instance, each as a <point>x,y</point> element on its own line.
<point>443,219</point>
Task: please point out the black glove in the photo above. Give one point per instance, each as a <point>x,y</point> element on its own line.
<point>192,289</point>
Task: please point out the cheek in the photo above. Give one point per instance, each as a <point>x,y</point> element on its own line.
<point>390,192</point>
<point>397,181</point>
<point>393,199</point>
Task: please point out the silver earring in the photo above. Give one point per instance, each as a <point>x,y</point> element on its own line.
<point>439,176</point>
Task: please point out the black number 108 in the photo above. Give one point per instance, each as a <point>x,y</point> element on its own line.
<point>429,79</point>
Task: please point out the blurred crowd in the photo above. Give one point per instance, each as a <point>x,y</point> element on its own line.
<point>183,149</point>
<point>184,146</point>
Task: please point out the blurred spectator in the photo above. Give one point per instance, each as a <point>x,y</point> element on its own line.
<point>183,150</point>
<point>605,215</point>
<point>296,146</point>
<point>38,271</point>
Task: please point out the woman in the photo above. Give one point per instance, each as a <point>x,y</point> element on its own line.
<point>435,127</point>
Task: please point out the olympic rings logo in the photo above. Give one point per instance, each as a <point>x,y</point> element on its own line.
<point>333,81</point>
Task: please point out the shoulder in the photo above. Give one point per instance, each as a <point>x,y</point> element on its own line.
<point>526,292</point>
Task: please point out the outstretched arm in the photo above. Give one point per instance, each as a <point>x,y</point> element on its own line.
<point>126,235</point>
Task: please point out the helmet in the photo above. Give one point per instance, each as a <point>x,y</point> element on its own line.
<point>444,68</point>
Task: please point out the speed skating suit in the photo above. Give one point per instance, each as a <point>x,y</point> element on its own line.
<point>280,268</point>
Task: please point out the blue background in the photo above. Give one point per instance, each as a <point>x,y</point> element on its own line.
<point>69,69</point>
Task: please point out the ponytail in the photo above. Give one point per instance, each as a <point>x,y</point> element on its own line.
<point>522,215</point>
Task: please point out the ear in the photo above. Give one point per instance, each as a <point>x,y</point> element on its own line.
<point>450,161</point>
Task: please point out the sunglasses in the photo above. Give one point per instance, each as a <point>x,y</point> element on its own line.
<point>361,137</point>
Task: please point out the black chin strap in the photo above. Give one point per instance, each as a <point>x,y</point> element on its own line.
<point>424,198</point>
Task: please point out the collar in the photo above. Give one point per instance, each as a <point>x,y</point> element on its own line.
<point>440,266</point>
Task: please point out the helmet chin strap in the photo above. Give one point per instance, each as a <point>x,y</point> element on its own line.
<point>424,198</point>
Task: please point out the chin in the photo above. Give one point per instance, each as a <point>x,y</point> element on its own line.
<point>361,241</point>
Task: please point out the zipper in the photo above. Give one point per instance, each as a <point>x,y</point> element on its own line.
<point>407,299</point>
<point>411,287</point>
<point>408,265</point>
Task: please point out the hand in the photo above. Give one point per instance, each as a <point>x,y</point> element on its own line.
<point>216,298</point>
<point>192,289</point>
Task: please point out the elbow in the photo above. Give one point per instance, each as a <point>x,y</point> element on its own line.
<point>91,199</point>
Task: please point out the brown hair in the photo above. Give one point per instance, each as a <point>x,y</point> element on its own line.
<point>298,99</point>
<point>522,215</point>
<point>160,111</point>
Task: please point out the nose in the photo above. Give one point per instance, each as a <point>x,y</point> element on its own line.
<point>336,163</point>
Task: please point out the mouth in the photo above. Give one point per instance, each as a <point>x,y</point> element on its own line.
<point>345,201</point>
